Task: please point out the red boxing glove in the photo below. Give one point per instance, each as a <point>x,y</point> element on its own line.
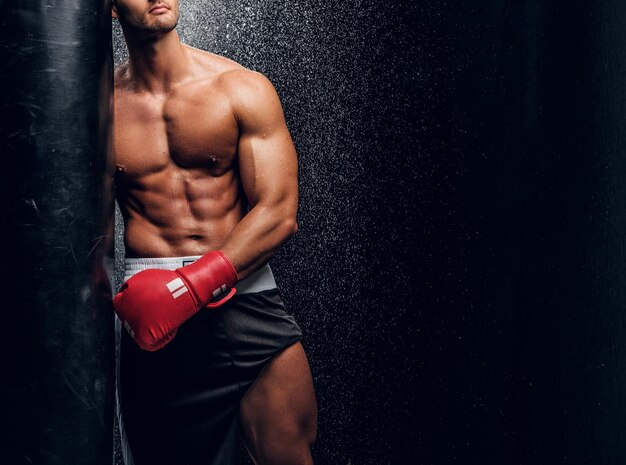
<point>154,303</point>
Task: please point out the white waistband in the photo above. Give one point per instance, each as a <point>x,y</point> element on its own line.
<point>261,280</point>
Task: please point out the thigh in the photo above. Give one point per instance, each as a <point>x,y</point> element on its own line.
<point>178,405</point>
<point>279,411</point>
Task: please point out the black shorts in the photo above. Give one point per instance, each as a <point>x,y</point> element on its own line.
<point>179,405</point>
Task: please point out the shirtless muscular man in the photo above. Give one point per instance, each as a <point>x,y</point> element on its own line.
<point>206,180</point>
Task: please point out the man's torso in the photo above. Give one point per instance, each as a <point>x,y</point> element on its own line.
<point>177,180</point>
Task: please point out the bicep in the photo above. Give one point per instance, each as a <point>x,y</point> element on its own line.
<point>267,158</point>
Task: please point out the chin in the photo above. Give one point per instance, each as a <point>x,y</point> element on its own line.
<point>162,26</point>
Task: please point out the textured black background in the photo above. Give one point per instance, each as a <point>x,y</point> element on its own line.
<point>458,273</point>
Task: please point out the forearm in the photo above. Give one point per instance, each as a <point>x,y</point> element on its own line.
<point>257,237</point>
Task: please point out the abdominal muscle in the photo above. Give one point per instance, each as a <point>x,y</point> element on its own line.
<point>179,212</point>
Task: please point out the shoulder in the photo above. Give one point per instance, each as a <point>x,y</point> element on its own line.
<point>244,85</point>
<point>235,80</point>
<point>252,97</point>
<point>249,92</point>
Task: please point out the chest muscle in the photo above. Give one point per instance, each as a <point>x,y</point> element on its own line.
<point>187,128</point>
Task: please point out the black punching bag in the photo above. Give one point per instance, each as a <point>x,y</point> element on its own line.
<point>56,356</point>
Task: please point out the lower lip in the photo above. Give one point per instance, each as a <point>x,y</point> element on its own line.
<point>157,11</point>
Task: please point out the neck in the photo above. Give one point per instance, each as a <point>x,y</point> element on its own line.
<point>157,62</point>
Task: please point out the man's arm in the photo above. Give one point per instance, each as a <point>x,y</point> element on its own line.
<point>269,173</point>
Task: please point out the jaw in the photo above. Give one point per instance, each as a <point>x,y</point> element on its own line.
<point>150,24</point>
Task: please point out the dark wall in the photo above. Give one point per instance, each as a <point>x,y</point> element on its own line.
<point>458,272</point>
